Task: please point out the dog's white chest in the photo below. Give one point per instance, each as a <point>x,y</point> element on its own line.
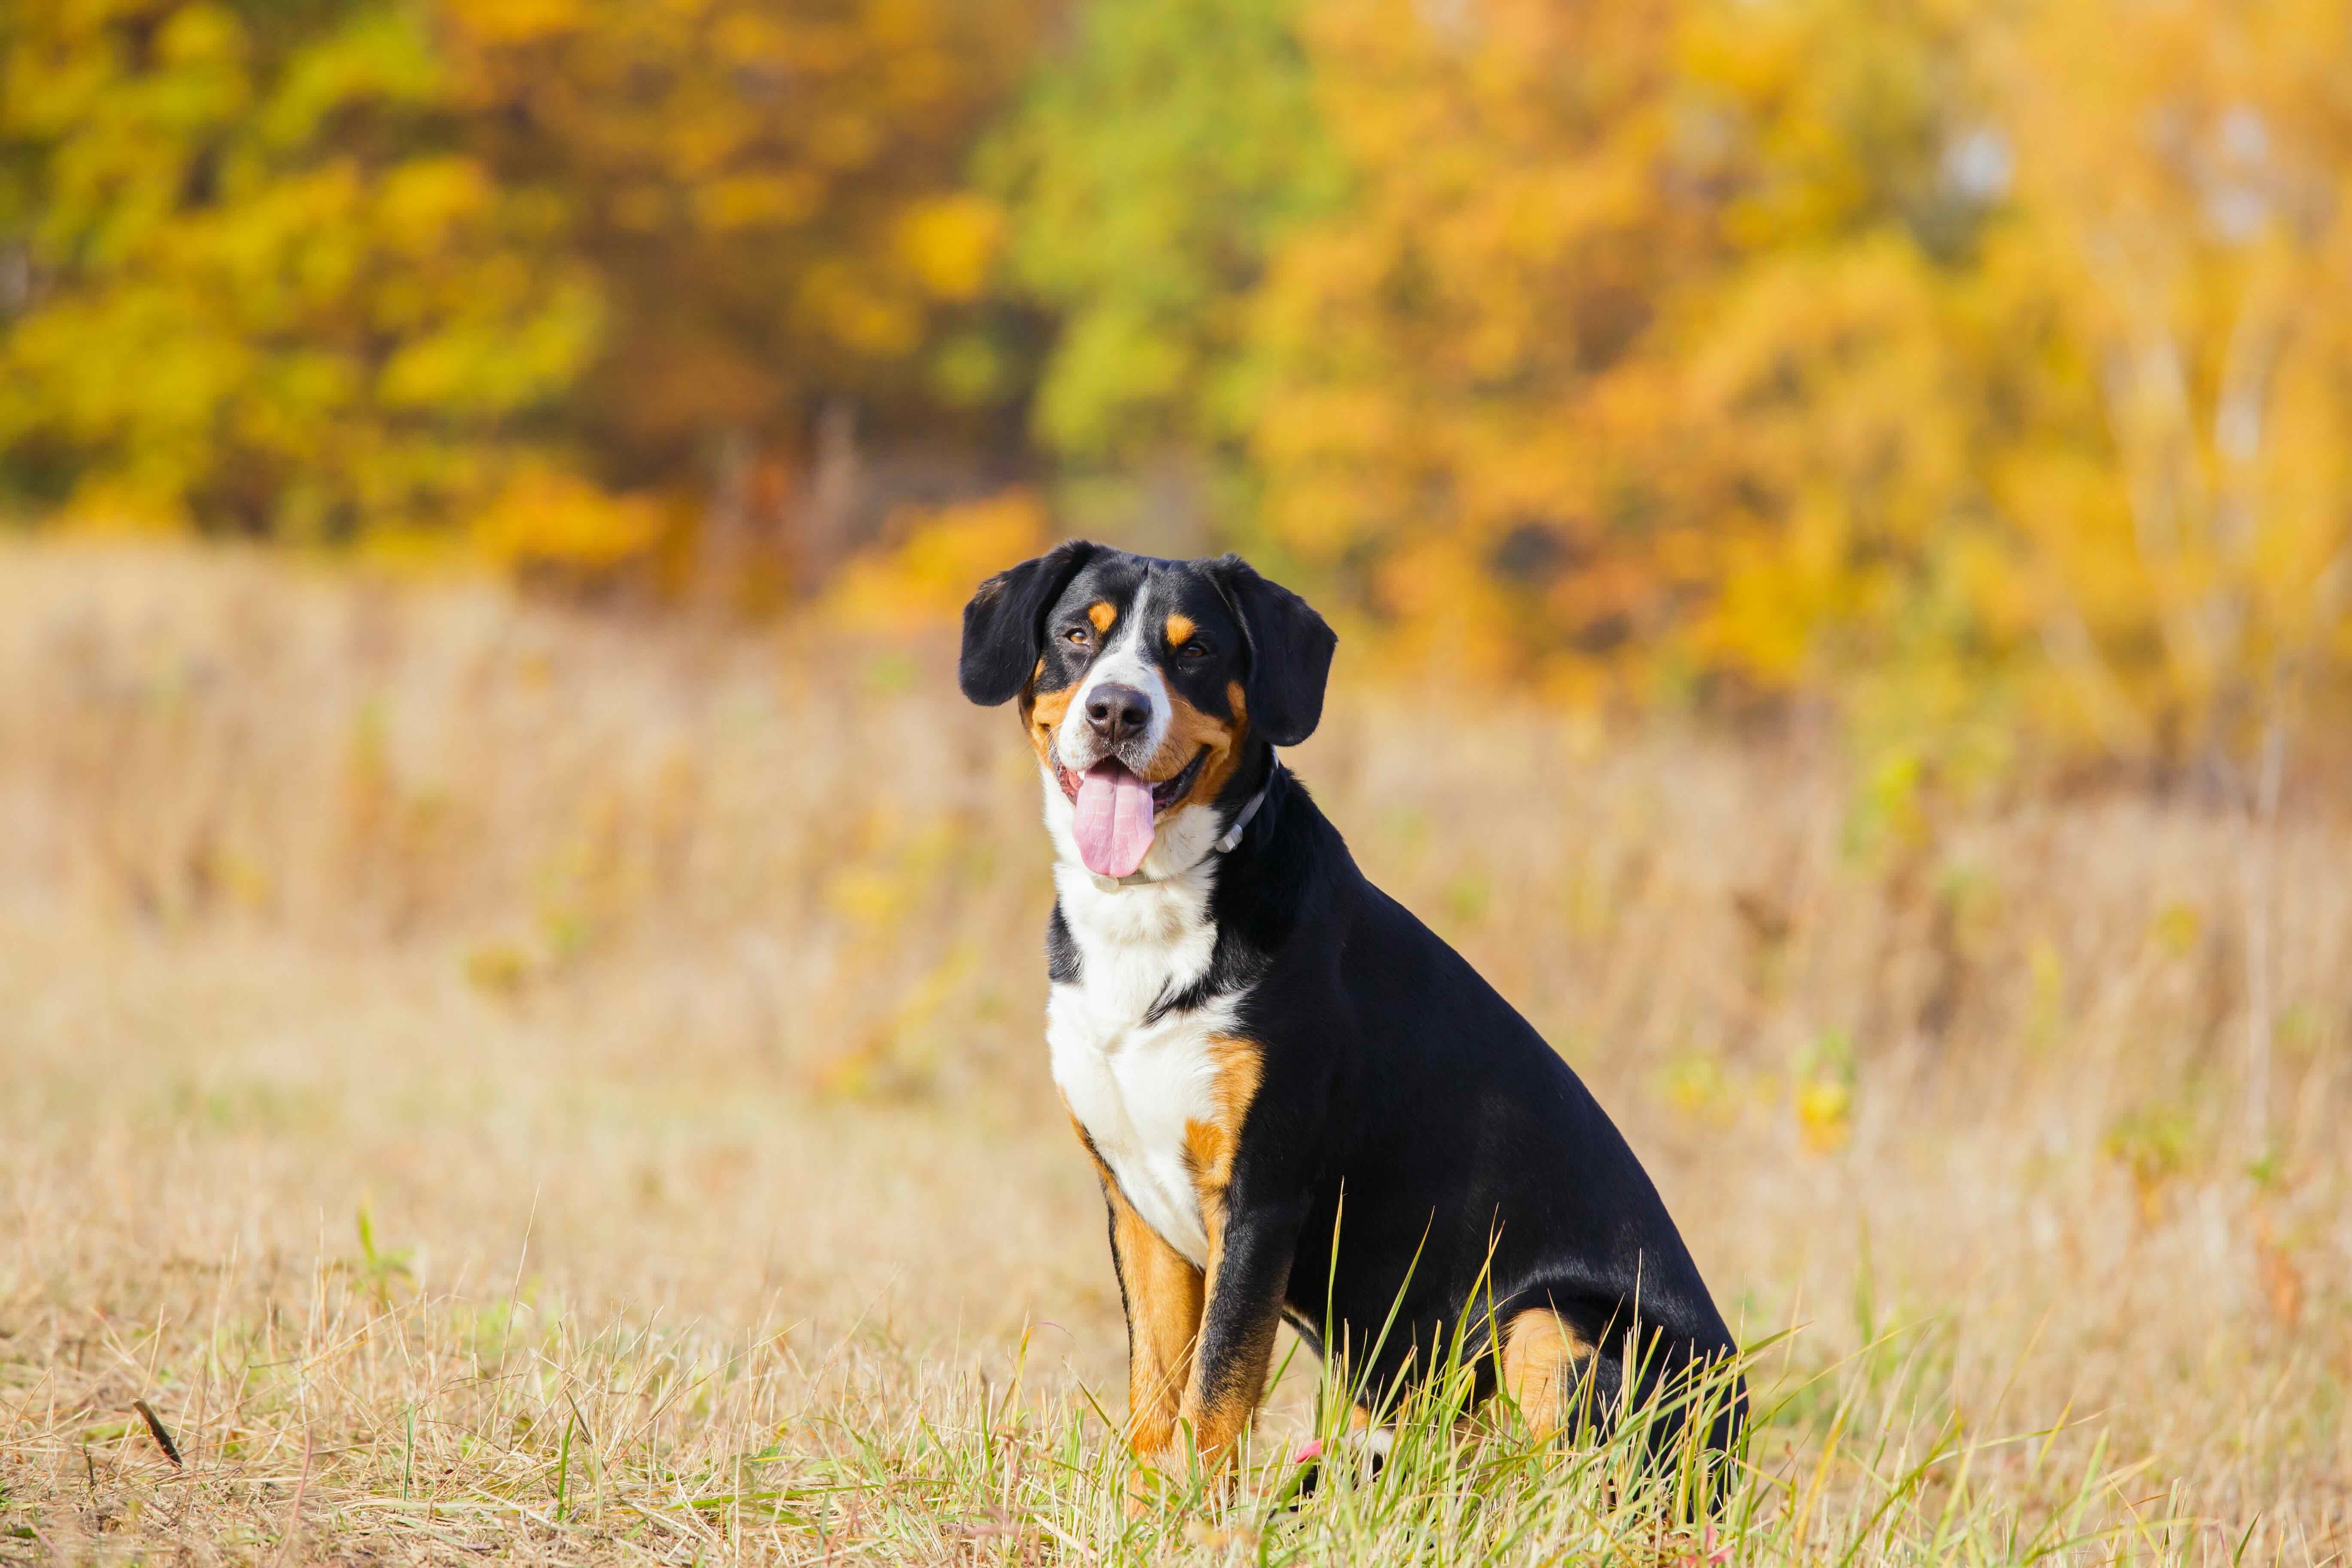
<point>1133,1082</point>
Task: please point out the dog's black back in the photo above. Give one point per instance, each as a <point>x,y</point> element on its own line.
<point>1451,1144</point>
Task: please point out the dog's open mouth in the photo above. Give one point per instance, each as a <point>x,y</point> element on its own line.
<point>1117,811</point>
<point>1164,794</point>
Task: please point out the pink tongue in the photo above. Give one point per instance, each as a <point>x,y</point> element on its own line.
<point>1114,823</point>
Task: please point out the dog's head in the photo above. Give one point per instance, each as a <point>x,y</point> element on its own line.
<point>1149,688</point>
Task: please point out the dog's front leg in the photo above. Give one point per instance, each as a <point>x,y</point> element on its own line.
<point>1250,1249</point>
<point>1161,1292</point>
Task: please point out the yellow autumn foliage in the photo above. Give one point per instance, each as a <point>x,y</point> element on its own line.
<point>1959,356</point>
<point>546,517</point>
<point>925,577</point>
<point>1960,364</point>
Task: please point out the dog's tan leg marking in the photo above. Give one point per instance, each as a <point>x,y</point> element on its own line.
<point>1220,1398</point>
<point>1544,1366</point>
<point>1162,1293</point>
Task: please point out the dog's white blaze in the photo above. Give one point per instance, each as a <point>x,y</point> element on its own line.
<point>1133,1085</point>
<point>1124,661</point>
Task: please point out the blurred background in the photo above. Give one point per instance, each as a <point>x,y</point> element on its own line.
<point>1976,369</point>
<point>1839,514</point>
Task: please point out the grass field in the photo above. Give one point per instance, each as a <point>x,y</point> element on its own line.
<point>501,1082</point>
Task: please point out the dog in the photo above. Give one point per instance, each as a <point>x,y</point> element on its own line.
<point>1299,1101</point>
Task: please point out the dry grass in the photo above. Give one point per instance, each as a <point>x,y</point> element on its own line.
<point>501,1082</point>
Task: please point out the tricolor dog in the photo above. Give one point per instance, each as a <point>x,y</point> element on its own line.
<point>1300,1102</point>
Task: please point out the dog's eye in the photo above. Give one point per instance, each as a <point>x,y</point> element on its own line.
<point>1078,637</point>
<point>1193,652</point>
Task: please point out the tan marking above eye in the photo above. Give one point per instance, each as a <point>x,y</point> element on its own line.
<point>1101,614</point>
<point>1179,630</point>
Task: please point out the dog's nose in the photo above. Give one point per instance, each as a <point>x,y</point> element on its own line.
<point>1118,712</point>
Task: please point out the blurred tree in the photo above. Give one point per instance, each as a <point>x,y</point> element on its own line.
<point>2183,470</point>
<point>312,266</point>
<point>254,279</point>
<point>1466,396</point>
<point>771,192</point>
<point>1953,360</point>
<point>1148,169</point>
<point>1829,382</point>
<point>1936,356</point>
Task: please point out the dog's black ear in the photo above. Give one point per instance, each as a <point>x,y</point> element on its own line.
<point>1291,652</point>
<point>1004,626</point>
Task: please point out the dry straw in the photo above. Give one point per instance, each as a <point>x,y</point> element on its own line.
<point>350,933</point>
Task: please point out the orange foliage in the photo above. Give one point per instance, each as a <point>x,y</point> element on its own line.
<point>940,553</point>
<point>770,191</point>
<point>1933,356</point>
<point>1960,362</point>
